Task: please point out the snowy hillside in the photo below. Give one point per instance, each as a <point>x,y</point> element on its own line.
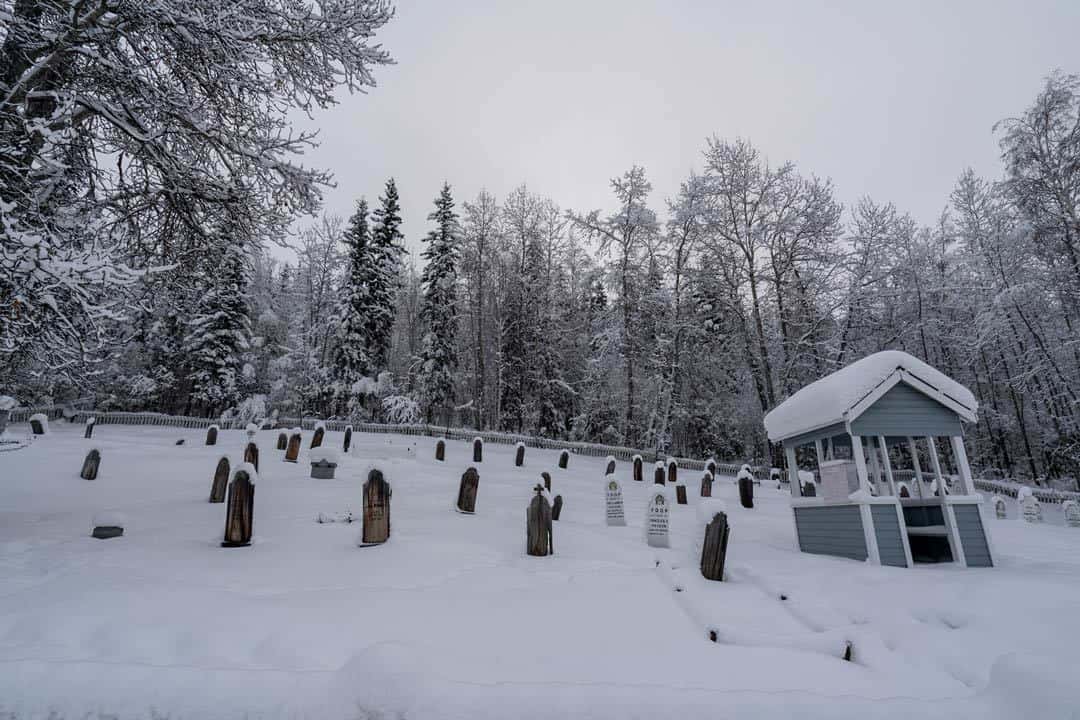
<point>450,619</point>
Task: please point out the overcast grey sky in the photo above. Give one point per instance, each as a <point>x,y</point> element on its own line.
<point>891,100</point>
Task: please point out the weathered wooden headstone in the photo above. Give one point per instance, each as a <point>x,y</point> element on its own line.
<point>902,489</point>
<point>466,497</point>
<point>746,491</point>
<point>556,507</point>
<point>211,435</point>
<point>317,438</point>
<point>615,513</point>
<point>440,450</point>
<point>1030,508</point>
<point>107,525</point>
<point>999,506</point>
<point>90,465</point>
<point>658,473</point>
<point>89,433</point>
<point>240,511</point>
<point>680,494</point>
<point>710,467</point>
<point>478,450</point>
<point>809,490</point>
<point>251,455</point>
<point>376,509</point>
<point>714,548</point>
<point>610,469</point>
<point>538,538</point>
<point>564,459</point>
<point>706,484</point>
<point>545,476</point>
<point>282,441</point>
<point>1071,510</point>
<point>519,455</point>
<point>39,424</point>
<point>638,474</point>
<point>221,481</point>
<point>657,523</point>
<point>348,439</point>
<point>672,472</point>
<point>292,452</point>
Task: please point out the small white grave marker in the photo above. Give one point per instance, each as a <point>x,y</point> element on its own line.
<point>656,520</point>
<point>615,514</point>
<point>1071,509</point>
<point>1030,507</point>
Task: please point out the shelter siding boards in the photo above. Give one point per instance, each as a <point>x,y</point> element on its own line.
<point>832,531</point>
<point>972,535</point>
<point>887,530</point>
<point>903,410</point>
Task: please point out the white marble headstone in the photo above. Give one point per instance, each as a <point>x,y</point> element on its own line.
<point>1031,509</point>
<point>656,521</point>
<point>615,514</point>
<point>1071,509</point>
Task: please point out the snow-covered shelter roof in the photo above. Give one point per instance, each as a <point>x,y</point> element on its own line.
<point>847,393</point>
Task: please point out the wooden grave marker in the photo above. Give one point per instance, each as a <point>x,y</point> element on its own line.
<point>706,484</point>
<point>658,473</point>
<point>282,441</point>
<point>440,450</point>
<point>376,509</point>
<point>556,507</point>
<point>545,477</point>
<point>538,537</point>
<point>240,511</point>
<point>251,455</point>
<point>999,506</point>
<point>680,494</point>
<point>746,491</point>
<point>221,481</point>
<point>348,439</point>
<point>211,435</point>
<point>714,548</point>
<point>466,497</point>
<point>478,450</point>
<point>89,433</point>
<point>90,465</point>
<point>519,455</point>
<point>672,472</point>
<point>710,466</point>
<point>639,475</point>
<point>610,469</point>
<point>317,438</point>
<point>564,459</point>
<point>292,452</point>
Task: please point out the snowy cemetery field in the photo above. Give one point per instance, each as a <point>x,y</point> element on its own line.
<point>450,618</point>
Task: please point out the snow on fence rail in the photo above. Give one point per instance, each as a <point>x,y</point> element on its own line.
<point>1007,487</point>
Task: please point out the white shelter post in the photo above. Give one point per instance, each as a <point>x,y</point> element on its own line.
<point>860,462</point>
<point>872,452</point>
<point>936,464</point>
<point>962,466</point>
<point>916,465</point>
<point>820,455</point>
<point>793,470</point>
<point>885,463</point>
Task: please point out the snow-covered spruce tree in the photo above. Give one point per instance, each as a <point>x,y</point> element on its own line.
<point>120,121</point>
<point>387,250</point>
<point>352,361</point>
<point>438,359</point>
<point>219,333</point>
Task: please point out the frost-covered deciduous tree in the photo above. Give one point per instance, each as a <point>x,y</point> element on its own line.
<point>128,128</point>
<point>438,359</point>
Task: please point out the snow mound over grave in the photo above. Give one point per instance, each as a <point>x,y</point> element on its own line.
<point>827,400</point>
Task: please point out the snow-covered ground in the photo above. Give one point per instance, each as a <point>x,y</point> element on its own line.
<point>451,619</point>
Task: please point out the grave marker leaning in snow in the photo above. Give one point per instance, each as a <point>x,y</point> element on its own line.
<point>39,424</point>
<point>658,473</point>
<point>556,507</point>
<point>440,450</point>
<point>89,433</point>
<point>616,517</point>
<point>240,512</point>
<point>1071,510</point>
<point>292,452</point>
<point>466,496</point>
<point>639,475</point>
<point>610,469</point>
<point>714,547</point>
<point>478,449</point>
<point>221,481</point>
<point>545,477</point>
<point>999,506</point>
<point>90,465</point>
<point>538,538</point>
<point>564,459</point>
<point>251,455</point>
<point>672,471</point>
<point>519,455</point>
<point>706,484</point>
<point>108,524</point>
<point>376,509</point>
<point>657,523</point>
<point>211,435</point>
<point>348,439</point>
<point>680,494</point>
<point>317,438</point>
